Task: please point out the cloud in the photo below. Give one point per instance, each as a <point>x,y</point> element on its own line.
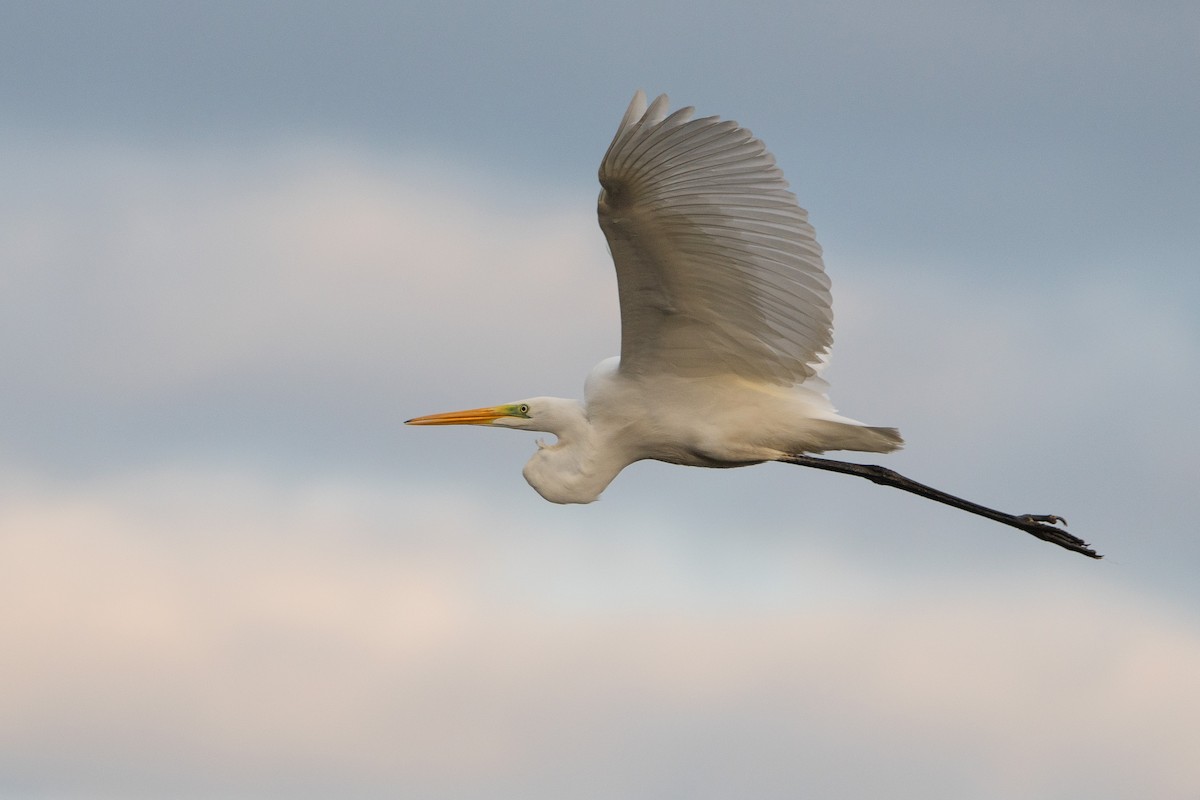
<point>294,306</point>
<point>184,299</point>
<point>217,632</point>
<point>172,271</point>
<point>164,273</point>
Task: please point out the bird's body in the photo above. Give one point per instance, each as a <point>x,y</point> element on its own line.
<point>714,422</point>
<point>726,322</point>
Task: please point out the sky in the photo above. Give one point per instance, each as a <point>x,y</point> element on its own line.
<point>242,243</point>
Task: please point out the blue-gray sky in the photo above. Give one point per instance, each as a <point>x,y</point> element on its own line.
<point>242,242</point>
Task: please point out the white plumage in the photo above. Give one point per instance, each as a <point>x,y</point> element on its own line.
<point>725,318</point>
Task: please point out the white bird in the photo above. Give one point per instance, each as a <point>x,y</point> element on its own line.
<point>726,321</point>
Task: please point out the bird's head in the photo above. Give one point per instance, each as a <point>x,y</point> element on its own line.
<point>547,414</point>
<point>569,470</point>
<point>511,415</point>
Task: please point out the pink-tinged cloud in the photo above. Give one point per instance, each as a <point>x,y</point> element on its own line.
<point>206,632</point>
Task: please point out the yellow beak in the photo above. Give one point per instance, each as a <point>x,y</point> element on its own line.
<point>473,416</point>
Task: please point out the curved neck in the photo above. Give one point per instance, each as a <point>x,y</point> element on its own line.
<point>577,467</point>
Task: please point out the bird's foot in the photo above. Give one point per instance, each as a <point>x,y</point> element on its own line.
<point>1043,527</point>
<point>1048,518</point>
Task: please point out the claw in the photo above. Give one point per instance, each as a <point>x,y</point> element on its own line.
<point>1048,518</point>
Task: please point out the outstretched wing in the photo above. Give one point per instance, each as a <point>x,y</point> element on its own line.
<point>718,269</point>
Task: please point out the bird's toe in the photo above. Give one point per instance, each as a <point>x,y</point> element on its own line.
<point>1051,519</point>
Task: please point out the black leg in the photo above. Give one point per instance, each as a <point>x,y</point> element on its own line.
<point>1035,524</point>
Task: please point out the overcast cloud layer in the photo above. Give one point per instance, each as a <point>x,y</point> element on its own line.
<point>229,636</point>
<point>240,246</point>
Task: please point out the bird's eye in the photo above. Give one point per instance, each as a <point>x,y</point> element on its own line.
<point>523,408</point>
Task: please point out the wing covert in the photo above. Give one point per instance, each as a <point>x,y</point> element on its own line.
<point>718,269</point>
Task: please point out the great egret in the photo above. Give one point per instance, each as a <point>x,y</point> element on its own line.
<point>725,325</point>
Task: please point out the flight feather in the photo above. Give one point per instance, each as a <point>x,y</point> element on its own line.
<point>718,269</point>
